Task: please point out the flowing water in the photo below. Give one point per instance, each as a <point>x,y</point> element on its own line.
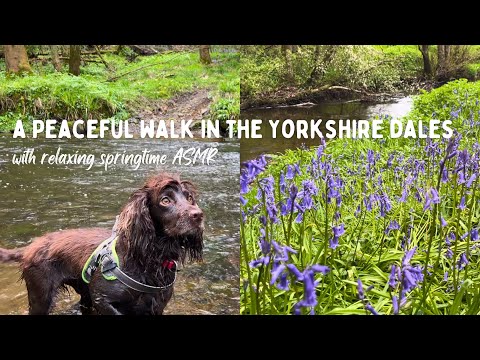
<point>251,148</point>
<point>36,199</point>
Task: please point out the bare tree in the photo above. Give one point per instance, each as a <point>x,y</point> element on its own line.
<point>57,64</point>
<point>320,65</point>
<point>74,60</point>
<point>287,54</point>
<point>205,54</point>
<point>427,64</point>
<point>16,59</point>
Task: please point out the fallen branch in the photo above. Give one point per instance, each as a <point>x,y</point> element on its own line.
<point>109,68</point>
<point>143,67</point>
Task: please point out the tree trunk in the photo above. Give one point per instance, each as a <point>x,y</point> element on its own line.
<point>57,64</point>
<point>16,59</point>
<point>74,61</point>
<point>287,53</point>
<point>315,74</point>
<point>427,65</point>
<point>205,54</point>
<point>441,59</point>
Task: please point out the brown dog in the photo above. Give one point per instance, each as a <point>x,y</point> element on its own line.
<point>160,223</point>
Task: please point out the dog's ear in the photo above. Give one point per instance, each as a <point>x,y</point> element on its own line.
<point>135,221</point>
<point>190,187</point>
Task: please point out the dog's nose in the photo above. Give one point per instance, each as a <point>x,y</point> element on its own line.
<point>196,214</point>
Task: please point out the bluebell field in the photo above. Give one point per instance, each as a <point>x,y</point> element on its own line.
<point>359,226</point>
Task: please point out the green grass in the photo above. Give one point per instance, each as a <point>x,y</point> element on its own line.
<point>49,95</point>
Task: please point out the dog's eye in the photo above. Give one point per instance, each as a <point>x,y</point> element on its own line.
<point>190,199</point>
<point>165,201</point>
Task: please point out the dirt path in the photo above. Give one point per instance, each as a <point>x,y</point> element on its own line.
<point>193,105</point>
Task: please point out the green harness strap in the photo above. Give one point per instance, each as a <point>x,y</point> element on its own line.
<point>107,247</point>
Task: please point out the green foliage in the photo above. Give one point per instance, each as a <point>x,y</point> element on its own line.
<point>372,68</point>
<point>50,95</point>
<point>459,95</point>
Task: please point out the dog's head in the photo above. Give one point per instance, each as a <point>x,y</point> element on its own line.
<point>163,221</point>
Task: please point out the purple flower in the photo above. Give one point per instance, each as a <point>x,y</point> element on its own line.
<point>276,273</point>
<point>320,269</point>
<point>408,256</point>
<point>474,234</point>
<point>299,217</point>
<point>392,281</point>
<point>361,293</point>
<point>371,309</point>
<point>462,206</point>
<point>445,175</point>
<point>449,253</point>
<point>445,276</point>
<point>357,212</point>
<point>293,269</point>
<point>263,220</point>
<point>385,205</point>
<point>395,304</point>
<point>462,261</point>
<point>261,261</point>
<point>393,225</point>
<point>337,232</point>
<point>443,222</point>
<point>461,178</point>
<point>282,251</point>
<point>309,285</point>
<point>404,195</point>
<point>471,180</point>
<point>250,171</point>
<point>243,201</point>
<point>283,283</point>
<point>290,173</point>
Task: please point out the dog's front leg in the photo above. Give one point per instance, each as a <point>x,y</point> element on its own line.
<point>104,306</point>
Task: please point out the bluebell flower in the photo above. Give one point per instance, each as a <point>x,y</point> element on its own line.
<point>395,304</point>
<point>371,309</point>
<point>404,196</point>
<point>243,201</point>
<point>445,276</point>
<point>461,177</point>
<point>471,180</point>
<point>263,220</point>
<point>462,261</point>
<point>445,175</point>
<point>392,281</point>
<point>282,251</point>
<point>443,222</point>
<point>474,234</point>
<point>299,217</point>
<point>276,272</point>
<point>357,212</point>
<point>361,293</point>
<point>309,285</point>
<point>265,260</point>
<point>462,206</point>
<point>283,283</point>
<point>337,232</point>
<point>393,225</point>
<point>290,172</point>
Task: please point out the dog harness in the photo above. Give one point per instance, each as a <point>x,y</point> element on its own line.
<point>105,256</point>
